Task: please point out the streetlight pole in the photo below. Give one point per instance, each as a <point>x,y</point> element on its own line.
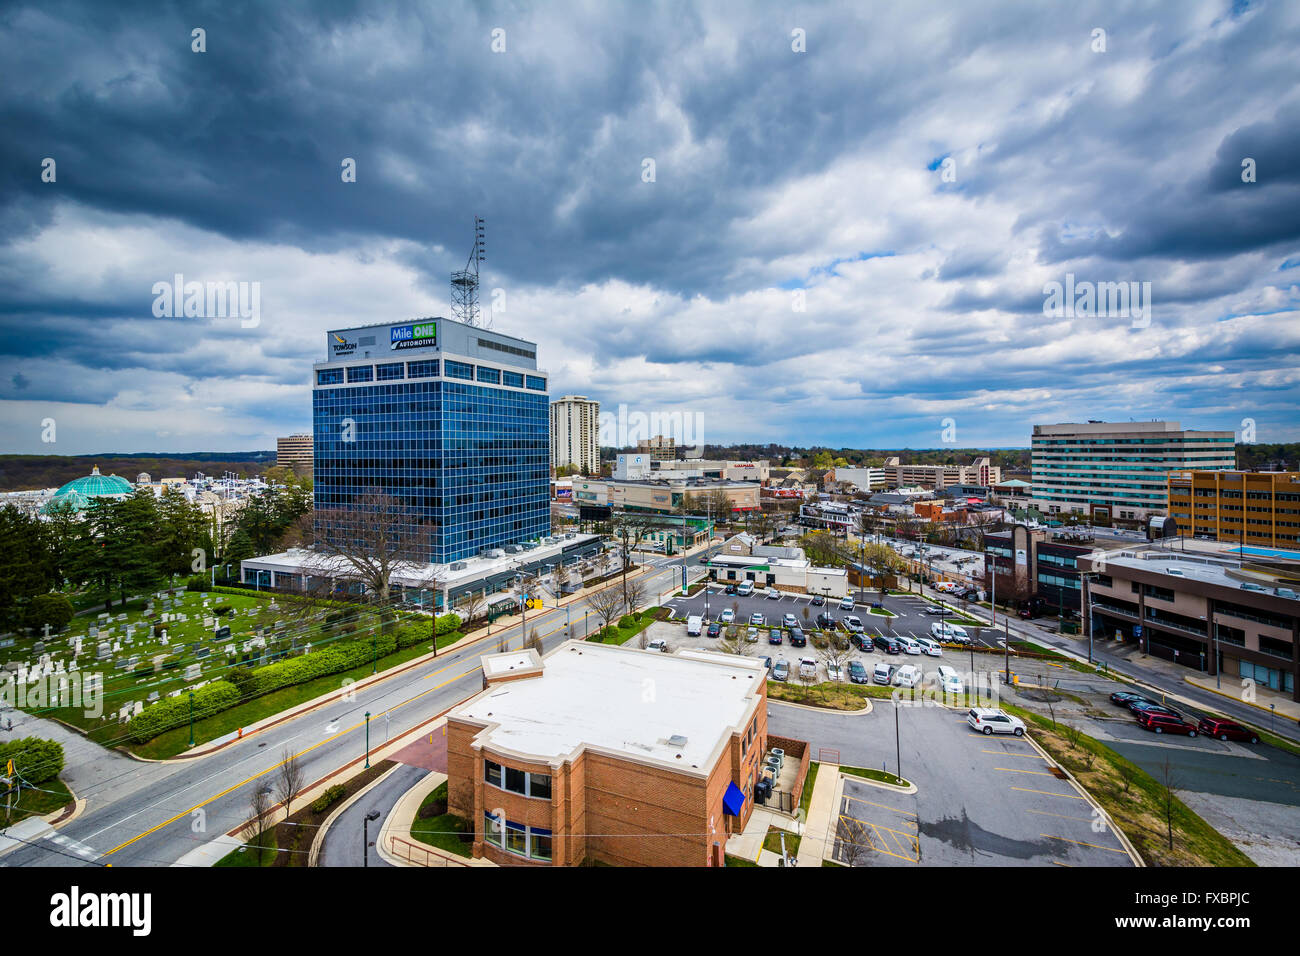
<point>898,747</point>
<point>365,836</point>
<point>367,740</point>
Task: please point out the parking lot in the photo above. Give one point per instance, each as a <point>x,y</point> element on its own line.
<point>984,801</point>
<point>908,618</point>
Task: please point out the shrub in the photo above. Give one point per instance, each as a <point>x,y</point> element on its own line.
<point>172,661</point>
<point>52,609</point>
<point>197,582</point>
<point>175,711</point>
<point>627,620</point>
<point>331,796</point>
<point>35,759</point>
<point>447,623</point>
<point>221,609</point>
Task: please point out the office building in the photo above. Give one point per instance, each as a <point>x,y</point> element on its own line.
<point>567,759</point>
<point>575,434</point>
<point>1118,472</point>
<point>659,448</point>
<point>980,471</point>
<point>447,419</point>
<point>1213,504</point>
<point>295,453</point>
<point>1033,571</point>
<point>1229,612</point>
<point>664,495</point>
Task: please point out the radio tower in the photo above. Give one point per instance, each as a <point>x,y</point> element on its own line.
<point>464,284</point>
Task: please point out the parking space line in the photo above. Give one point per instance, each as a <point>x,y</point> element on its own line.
<point>1061,816</point>
<point>1040,773</point>
<point>908,813</point>
<point>1071,796</point>
<point>1066,865</point>
<point>1005,754</point>
<point>1095,846</point>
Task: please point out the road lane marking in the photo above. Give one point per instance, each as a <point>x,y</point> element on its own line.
<point>1041,773</point>
<point>1095,846</point>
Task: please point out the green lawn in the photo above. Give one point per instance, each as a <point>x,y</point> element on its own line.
<point>441,829</point>
<point>247,855</point>
<point>53,795</point>
<point>772,842</point>
<point>739,861</point>
<point>879,775</point>
<point>621,635</point>
<point>176,740</point>
<point>809,781</point>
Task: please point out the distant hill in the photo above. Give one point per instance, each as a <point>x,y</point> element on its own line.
<point>31,472</point>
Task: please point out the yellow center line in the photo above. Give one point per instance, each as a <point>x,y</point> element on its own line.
<point>1071,796</point>
<point>1081,843</point>
<point>197,806</point>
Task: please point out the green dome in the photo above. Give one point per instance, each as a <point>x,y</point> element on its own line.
<point>80,491</point>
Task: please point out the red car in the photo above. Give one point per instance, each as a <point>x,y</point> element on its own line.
<point>1164,723</point>
<point>1226,730</point>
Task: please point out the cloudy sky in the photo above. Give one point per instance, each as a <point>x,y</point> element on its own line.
<point>853,214</point>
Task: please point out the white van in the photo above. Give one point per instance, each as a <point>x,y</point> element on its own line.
<point>883,673</point>
<point>694,624</point>
<point>909,675</point>
<point>943,631</point>
<point>949,680</point>
<point>745,588</point>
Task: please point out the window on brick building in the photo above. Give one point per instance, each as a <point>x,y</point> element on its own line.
<point>516,781</point>
<point>540,840</point>
<point>539,785</point>
<point>492,829</point>
<point>492,773</point>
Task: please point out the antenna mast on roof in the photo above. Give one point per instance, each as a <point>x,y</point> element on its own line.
<point>464,284</point>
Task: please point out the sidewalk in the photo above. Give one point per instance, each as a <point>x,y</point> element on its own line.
<point>819,827</point>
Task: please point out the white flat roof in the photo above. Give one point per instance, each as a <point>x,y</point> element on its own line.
<point>619,700</point>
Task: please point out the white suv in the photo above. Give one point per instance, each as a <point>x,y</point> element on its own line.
<point>989,721</point>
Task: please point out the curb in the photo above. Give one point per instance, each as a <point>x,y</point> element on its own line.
<point>910,788</point>
<point>824,710</point>
<point>318,842</point>
<point>1214,690</point>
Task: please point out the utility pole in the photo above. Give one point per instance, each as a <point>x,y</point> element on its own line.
<point>367,740</point>
<point>898,747</point>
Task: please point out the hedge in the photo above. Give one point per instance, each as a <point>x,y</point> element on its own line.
<point>174,711</point>
<point>35,759</point>
<point>330,796</point>
<point>447,623</point>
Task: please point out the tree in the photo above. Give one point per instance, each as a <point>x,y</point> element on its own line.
<point>289,780</point>
<point>259,806</point>
<point>734,642</point>
<point>368,543</point>
<point>1168,798</point>
<point>852,839</point>
<point>607,603</point>
<point>181,527</point>
<point>635,595</point>
<point>24,568</point>
<point>836,654</point>
<point>629,530</point>
<point>52,609</point>
<point>472,604</point>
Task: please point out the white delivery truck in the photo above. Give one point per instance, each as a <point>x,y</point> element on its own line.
<point>694,624</point>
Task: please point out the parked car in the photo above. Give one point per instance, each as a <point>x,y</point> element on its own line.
<point>797,637</point>
<point>862,642</point>
<point>943,631</point>
<point>1151,707</point>
<point>909,675</point>
<point>781,670</point>
<point>825,620</point>
<point>818,600</point>
<point>715,629</point>
<point>857,673</point>
<point>728,616</point>
<point>752,635</point>
<point>1161,723</point>
<point>731,589</point>
<point>890,645</point>
<point>808,668</point>
<point>989,721</point>
<point>883,673</point>
<point>694,624</point>
<point>658,644</point>
<point>934,609</point>
<point>789,620</point>
<point>853,624</point>
<point>774,636</point>
<point>1226,730</point>
<point>835,672</point>
<point>910,645</point>
<point>757,619</point>
<point>846,604</point>
<point>1124,698</point>
<point>930,647</point>
<point>949,680</point>
<point>773,593</point>
<point>745,588</point>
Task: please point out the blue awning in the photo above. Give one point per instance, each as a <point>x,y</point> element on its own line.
<point>733,800</point>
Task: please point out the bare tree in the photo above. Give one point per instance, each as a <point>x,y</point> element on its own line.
<point>534,641</point>
<point>853,841</point>
<point>629,530</point>
<point>259,806</point>
<point>472,604</point>
<point>1168,800</point>
<point>369,542</point>
<point>735,642</point>
<point>289,780</point>
<point>634,595</point>
<point>607,603</point>
<point>835,655</point>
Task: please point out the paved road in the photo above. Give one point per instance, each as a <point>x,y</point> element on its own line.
<point>152,814</point>
<point>343,842</point>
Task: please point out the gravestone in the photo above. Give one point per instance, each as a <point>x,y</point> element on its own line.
<point>102,652</point>
<point>7,642</point>
<point>158,662</point>
<point>153,696</point>
<point>221,633</point>
<point>191,672</point>
<point>92,632</point>
<point>76,648</point>
<point>135,710</point>
<point>117,647</point>
<point>202,652</point>
<point>38,647</point>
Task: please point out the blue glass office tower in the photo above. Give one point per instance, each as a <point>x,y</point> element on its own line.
<point>449,420</point>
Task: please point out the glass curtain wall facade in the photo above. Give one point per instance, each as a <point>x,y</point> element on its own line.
<point>468,462</point>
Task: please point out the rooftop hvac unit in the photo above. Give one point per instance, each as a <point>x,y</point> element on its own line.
<point>496,553</point>
<point>459,565</point>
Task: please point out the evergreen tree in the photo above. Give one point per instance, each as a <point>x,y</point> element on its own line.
<point>24,568</point>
